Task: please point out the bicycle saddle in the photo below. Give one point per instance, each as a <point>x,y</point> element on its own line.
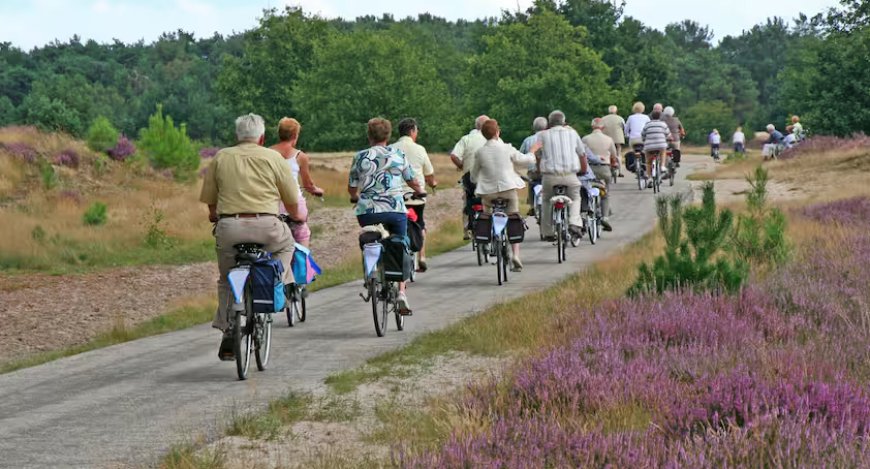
<point>248,252</point>
<point>560,190</point>
<point>500,203</point>
<point>372,234</point>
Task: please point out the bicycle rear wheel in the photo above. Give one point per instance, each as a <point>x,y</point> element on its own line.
<point>481,254</point>
<point>559,241</point>
<point>672,173</point>
<point>375,292</point>
<point>400,320</point>
<point>291,309</point>
<point>302,307</point>
<point>505,250</point>
<point>242,344</point>
<point>499,259</point>
<point>263,338</point>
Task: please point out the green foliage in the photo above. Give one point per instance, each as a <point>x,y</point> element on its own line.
<point>38,234</point>
<point>700,119</point>
<point>167,146</point>
<point>48,175</point>
<point>102,135</point>
<point>694,257</point>
<point>155,235</point>
<point>760,235</point>
<point>96,214</point>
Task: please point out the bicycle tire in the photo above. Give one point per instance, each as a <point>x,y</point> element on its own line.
<point>242,345</point>
<point>480,254</point>
<point>374,291</point>
<point>505,256</point>
<point>641,184</point>
<point>303,313</point>
<point>672,173</point>
<point>565,234</point>
<point>560,240</point>
<point>290,309</point>
<point>400,320</point>
<point>263,348</point>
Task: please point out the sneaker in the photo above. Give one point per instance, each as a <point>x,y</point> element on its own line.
<point>516,265</point>
<point>606,224</point>
<point>225,352</point>
<point>666,176</point>
<point>422,266</point>
<point>467,235</point>
<point>577,230</point>
<point>550,239</point>
<point>621,175</point>
<point>402,304</point>
<point>649,184</point>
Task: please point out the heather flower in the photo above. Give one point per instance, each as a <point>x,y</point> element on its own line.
<point>21,151</point>
<point>123,149</point>
<point>208,152</point>
<point>68,158</point>
<point>823,143</point>
<point>71,195</point>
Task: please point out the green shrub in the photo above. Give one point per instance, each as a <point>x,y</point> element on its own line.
<point>96,214</point>
<point>102,135</point>
<point>167,146</point>
<point>760,235</point>
<point>155,236</point>
<point>694,255</point>
<point>48,175</point>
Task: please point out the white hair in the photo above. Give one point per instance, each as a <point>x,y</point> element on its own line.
<point>250,127</point>
<point>478,123</point>
<point>612,109</point>
<point>668,112</point>
<point>539,124</point>
<point>770,127</point>
<point>556,118</point>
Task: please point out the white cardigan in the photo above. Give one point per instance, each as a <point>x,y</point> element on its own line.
<point>493,167</point>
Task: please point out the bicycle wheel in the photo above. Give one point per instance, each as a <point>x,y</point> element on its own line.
<point>641,184</point>
<point>242,344</point>
<point>499,258</point>
<point>263,338</point>
<point>302,308</point>
<point>505,250</point>
<point>481,253</point>
<point>565,237</point>
<point>672,173</point>
<point>292,307</point>
<point>400,320</point>
<point>375,292</point>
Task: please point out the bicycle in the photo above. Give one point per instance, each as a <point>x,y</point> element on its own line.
<point>500,248</point>
<point>381,293</point>
<point>559,214</point>
<point>255,335</point>
<point>656,170</point>
<point>296,309</point>
<point>671,165</point>
<point>411,202</point>
<point>592,220</point>
<point>539,203</point>
<point>640,166</point>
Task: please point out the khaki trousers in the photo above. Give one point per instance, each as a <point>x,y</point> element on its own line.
<point>602,172</point>
<point>511,196</point>
<point>549,181</point>
<point>267,230</point>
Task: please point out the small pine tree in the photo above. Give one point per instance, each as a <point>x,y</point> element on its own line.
<point>695,239</point>
<point>102,135</point>
<point>760,235</point>
<point>167,146</point>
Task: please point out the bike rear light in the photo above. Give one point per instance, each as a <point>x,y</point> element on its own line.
<point>477,207</point>
<point>559,205</point>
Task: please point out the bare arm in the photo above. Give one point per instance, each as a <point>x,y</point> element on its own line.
<point>305,173</point>
<point>354,193</point>
<point>212,213</point>
<point>456,161</point>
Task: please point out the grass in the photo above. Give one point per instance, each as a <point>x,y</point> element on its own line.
<point>195,312</point>
<point>271,424</point>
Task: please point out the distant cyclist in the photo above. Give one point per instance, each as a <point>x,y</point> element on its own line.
<point>677,133</point>
<point>423,170</point>
<point>715,141</point>
<point>376,183</point>
<point>635,123</point>
<point>462,156</point>
<point>655,142</point>
<point>614,127</point>
<point>534,174</point>
<point>288,136</point>
<point>604,157</point>
<point>242,187</point>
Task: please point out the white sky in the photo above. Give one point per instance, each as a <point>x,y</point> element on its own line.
<point>30,23</point>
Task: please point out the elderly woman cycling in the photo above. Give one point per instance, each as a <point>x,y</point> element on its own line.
<point>493,169</point>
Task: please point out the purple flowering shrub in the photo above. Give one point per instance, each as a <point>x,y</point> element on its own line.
<point>825,143</point>
<point>22,151</point>
<point>69,158</point>
<point>208,152</point>
<point>122,149</point>
<point>773,376</point>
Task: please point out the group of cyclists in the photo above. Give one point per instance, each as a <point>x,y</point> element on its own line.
<point>247,186</point>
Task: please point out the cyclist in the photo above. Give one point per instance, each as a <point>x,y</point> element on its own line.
<point>633,128</point>
<point>493,169</point>
<point>715,141</point>
<point>242,187</point>
<point>602,155</point>
<point>376,183</point>
<point>614,127</point>
<point>655,141</point>
<point>677,133</point>
<point>563,155</point>
<point>288,136</point>
<point>534,174</point>
<point>423,170</point>
<point>462,156</point>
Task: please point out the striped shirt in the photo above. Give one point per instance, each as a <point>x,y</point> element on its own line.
<point>562,150</point>
<point>655,135</point>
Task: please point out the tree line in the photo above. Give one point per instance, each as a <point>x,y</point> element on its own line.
<point>333,75</point>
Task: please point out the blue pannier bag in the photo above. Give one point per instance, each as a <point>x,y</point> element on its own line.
<point>267,286</point>
<point>303,266</point>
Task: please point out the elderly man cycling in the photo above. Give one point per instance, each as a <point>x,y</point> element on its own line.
<point>563,156</point>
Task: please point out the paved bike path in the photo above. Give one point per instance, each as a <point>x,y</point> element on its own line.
<point>127,404</point>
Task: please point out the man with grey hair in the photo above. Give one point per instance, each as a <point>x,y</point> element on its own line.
<point>677,132</point>
<point>533,174</point>
<point>563,155</point>
<point>242,187</point>
<point>614,127</point>
<point>462,156</point>
<point>602,156</point>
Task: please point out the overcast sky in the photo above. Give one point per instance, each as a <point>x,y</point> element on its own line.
<point>31,23</point>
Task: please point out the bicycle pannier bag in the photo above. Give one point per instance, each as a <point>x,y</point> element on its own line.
<point>267,286</point>
<point>516,228</point>
<point>303,266</point>
<point>415,236</point>
<point>397,258</point>
<point>483,227</point>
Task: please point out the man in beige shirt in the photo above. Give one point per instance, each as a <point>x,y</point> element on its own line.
<point>242,187</point>
<point>462,156</point>
<point>614,127</point>
<point>602,156</point>
<point>417,157</point>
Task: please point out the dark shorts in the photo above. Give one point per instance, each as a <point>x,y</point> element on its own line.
<point>396,223</point>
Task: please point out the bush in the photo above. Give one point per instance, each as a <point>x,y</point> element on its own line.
<point>155,236</point>
<point>760,235</point>
<point>167,146</point>
<point>694,257</point>
<point>102,135</point>
<point>48,175</point>
<point>123,149</point>
<point>96,214</point>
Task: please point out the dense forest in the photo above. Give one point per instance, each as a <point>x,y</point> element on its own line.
<point>333,75</point>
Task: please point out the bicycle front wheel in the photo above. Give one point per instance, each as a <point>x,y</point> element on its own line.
<point>263,338</point>
<point>374,293</point>
<point>242,345</point>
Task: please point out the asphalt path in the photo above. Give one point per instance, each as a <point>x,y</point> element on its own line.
<point>128,404</point>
